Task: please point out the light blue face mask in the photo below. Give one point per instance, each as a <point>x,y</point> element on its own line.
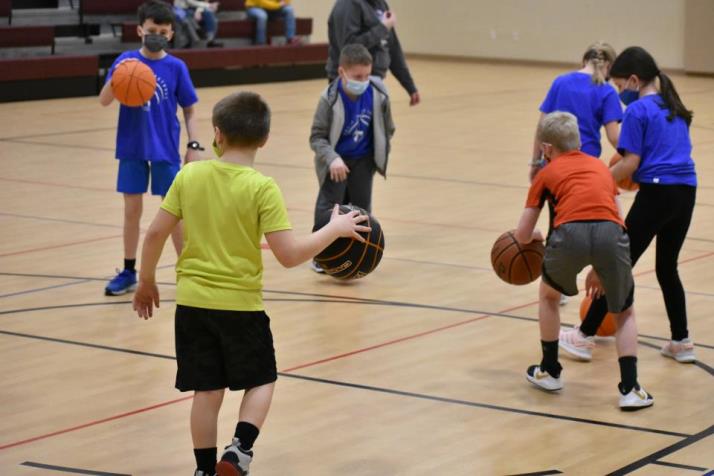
<point>356,87</point>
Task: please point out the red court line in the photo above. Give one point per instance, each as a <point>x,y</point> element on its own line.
<point>403,339</point>
<point>358,351</point>
<point>62,185</point>
<point>95,422</point>
<point>63,245</point>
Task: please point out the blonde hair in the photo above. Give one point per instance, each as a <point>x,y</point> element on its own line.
<point>599,55</point>
<point>560,129</point>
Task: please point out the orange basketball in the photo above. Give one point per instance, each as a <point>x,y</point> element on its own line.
<point>514,262</point>
<point>133,83</point>
<point>608,326</point>
<point>626,183</point>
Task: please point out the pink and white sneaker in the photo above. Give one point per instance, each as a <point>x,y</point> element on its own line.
<point>576,344</point>
<point>680,350</point>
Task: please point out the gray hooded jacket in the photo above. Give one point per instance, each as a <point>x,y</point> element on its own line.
<point>329,121</point>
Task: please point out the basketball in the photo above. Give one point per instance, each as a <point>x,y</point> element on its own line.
<point>347,258</point>
<point>608,326</point>
<point>514,262</point>
<point>626,183</point>
<point>133,83</point>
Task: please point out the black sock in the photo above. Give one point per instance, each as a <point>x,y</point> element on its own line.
<point>247,434</point>
<point>628,374</point>
<point>550,358</point>
<point>205,459</point>
<point>130,264</point>
<point>594,317</point>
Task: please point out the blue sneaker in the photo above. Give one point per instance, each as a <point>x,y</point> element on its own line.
<point>122,283</point>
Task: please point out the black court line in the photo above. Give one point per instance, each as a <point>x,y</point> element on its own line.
<point>55,145</point>
<point>368,387</point>
<point>35,290</point>
<point>658,455</point>
<point>328,298</point>
<point>59,220</point>
<point>66,469</point>
<point>50,134</point>
<point>539,473</point>
<point>488,406</point>
<point>680,466</point>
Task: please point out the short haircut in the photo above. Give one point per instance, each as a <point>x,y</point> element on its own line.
<point>243,118</point>
<point>560,129</point>
<point>158,11</point>
<point>355,54</point>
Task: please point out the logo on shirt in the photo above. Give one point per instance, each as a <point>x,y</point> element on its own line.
<point>358,126</point>
<point>161,93</point>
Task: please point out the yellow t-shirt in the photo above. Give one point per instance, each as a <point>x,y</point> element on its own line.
<point>226,209</point>
<point>265,4</point>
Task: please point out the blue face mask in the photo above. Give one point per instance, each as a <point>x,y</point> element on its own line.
<point>356,88</point>
<point>628,96</point>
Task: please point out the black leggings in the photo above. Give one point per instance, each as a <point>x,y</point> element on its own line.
<point>664,211</point>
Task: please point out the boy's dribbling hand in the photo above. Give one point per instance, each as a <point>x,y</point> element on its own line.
<point>338,170</point>
<point>145,297</point>
<point>348,224</point>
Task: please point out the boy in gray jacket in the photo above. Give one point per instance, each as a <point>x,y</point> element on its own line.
<point>350,135</point>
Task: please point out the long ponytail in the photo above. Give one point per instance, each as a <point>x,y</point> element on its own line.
<point>671,99</point>
<point>636,60</point>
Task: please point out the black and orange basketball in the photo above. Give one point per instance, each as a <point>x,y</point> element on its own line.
<point>608,326</point>
<point>133,83</point>
<point>347,258</point>
<point>514,262</point>
<point>626,183</point>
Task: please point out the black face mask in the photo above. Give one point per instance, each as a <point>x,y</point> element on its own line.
<point>155,42</point>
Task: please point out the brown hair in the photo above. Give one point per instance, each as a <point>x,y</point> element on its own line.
<point>243,118</point>
<point>598,54</point>
<point>355,54</point>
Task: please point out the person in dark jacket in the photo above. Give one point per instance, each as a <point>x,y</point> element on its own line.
<point>372,24</point>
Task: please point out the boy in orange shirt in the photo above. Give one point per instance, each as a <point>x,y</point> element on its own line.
<point>588,230</point>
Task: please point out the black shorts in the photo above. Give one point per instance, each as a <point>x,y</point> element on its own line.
<point>223,349</point>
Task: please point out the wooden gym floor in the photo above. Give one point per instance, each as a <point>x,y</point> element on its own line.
<point>416,369</point>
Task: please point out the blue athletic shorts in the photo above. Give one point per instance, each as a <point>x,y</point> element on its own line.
<point>133,176</point>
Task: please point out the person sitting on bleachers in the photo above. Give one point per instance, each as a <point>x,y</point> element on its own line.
<point>205,14</point>
<point>263,10</point>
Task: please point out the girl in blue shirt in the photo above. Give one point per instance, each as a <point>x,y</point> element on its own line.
<point>589,97</point>
<point>657,153</point>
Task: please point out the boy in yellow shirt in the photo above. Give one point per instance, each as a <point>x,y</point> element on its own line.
<point>263,10</point>
<point>223,337</point>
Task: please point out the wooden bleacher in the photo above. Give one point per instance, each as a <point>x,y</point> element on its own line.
<point>66,74</point>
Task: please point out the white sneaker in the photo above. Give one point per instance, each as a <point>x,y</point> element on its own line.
<point>543,379</point>
<point>564,299</point>
<point>637,399</point>
<point>201,473</point>
<point>235,460</point>
<point>680,350</point>
<point>316,267</point>
<point>576,344</point>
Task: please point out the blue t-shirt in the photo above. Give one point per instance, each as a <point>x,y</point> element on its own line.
<point>357,139</point>
<point>664,147</point>
<point>594,105</point>
<point>151,132</point>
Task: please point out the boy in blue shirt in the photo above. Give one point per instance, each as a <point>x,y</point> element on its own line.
<point>148,136</point>
<point>350,135</point>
